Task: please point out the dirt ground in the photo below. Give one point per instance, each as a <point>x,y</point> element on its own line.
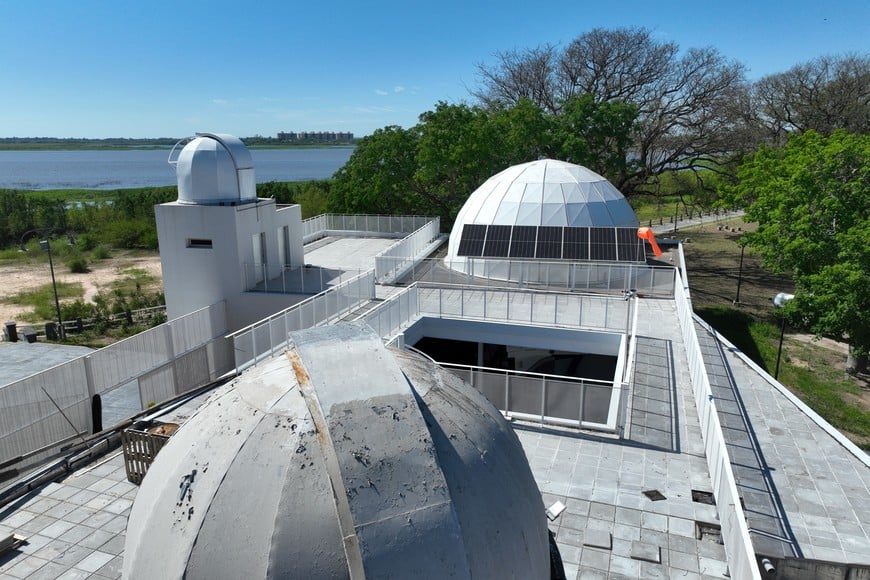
<point>20,276</point>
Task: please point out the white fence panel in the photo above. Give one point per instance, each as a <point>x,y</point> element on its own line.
<point>735,532</point>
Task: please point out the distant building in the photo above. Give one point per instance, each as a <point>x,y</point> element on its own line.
<point>328,136</point>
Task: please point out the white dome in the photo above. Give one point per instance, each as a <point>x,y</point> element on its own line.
<point>304,468</point>
<point>215,169</point>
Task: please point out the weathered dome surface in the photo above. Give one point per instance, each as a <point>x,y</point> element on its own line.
<point>340,458</point>
<point>544,193</point>
<point>215,168</point>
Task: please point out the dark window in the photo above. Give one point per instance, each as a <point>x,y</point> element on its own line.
<point>198,243</point>
<point>549,243</point>
<point>523,241</point>
<point>576,246</point>
<point>602,244</point>
<point>497,240</point>
<point>471,242</point>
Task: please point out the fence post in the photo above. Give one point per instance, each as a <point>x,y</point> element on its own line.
<point>543,398</point>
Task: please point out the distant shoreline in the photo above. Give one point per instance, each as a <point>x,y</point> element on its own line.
<point>96,145</point>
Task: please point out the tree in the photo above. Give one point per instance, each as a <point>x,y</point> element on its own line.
<point>379,176</point>
<point>687,104</point>
<point>435,166</point>
<point>810,199</point>
<point>823,95</point>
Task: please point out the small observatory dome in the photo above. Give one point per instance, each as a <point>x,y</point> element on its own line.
<point>541,194</point>
<point>214,169</point>
<point>340,459</point>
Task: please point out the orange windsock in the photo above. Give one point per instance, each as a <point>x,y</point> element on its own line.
<point>648,235</point>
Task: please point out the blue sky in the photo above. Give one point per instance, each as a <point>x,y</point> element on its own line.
<point>154,68</point>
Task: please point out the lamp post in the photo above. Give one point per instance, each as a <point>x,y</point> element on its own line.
<point>779,301</point>
<point>46,245</point>
<point>740,274</point>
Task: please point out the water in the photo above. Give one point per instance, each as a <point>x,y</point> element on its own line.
<point>140,168</point>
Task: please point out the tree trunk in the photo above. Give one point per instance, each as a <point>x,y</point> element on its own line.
<point>855,364</point>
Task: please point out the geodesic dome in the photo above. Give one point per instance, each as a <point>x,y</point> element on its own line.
<point>525,210</point>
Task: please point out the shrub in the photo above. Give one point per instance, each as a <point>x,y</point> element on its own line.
<point>101,252</point>
<point>86,242</point>
<point>78,265</point>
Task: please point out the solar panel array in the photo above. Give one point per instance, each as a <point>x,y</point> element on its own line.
<point>551,243</point>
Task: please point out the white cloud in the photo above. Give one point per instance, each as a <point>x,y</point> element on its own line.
<point>398,89</point>
<point>219,101</point>
<point>381,92</point>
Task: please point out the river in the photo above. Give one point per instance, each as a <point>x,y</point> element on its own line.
<point>113,169</point>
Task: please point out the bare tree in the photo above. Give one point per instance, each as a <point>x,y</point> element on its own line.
<point>687,104</point>
<point>825,94</point>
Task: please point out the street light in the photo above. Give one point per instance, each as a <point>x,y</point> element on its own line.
<point>46,245</point>
<point>740,274</point>
<point>779,301</point>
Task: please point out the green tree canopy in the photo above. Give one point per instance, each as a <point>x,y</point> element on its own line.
<point>434,167</point>
<point>811,199</point>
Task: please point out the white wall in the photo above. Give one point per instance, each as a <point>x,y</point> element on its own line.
<point>195,277</point>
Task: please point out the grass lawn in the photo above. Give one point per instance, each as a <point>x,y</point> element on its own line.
<point>813,372</point>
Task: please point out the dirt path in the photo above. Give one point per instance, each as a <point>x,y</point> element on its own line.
<point>18,277</point>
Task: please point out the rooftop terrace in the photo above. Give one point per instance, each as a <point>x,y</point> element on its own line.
<point>805,489</point>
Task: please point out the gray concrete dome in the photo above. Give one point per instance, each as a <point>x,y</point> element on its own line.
<point>340,459</point>
<point>213,169</point>
<point>544,193</point>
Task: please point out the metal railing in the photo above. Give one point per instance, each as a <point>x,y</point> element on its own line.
<point>262,339</point>
<point>735,532</point>
<point>571,276</point>
<point>548,399</point>
<point>322,225</point>
<point>396,260</point>
<point>525,306</point>
<point>45,409</point>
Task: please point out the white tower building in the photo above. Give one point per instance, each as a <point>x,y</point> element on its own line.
<point>218,240</point>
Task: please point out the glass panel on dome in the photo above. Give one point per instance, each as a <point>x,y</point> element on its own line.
<point>534,193</point>
<point>573,193</point>
<point>578,215</point>
<point>602,244</point>
<point>576,246</point>
<point>553,193</point>
<point>486,213</point>
<point>507,214</point>
<point>515,192</point>
<point>553,214</point>
<point>529,214</point>
<point>599,215</point>
<point>622,214</point>
<point>549,243</point>
<point>471,242</point>
<point>523,241</point>
<point>607,191</point>
<point>497,241</point>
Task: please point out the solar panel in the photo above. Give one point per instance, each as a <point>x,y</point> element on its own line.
<point>627,245</point>
<point>497,241</point>
<point>523,241</point>
<point>549,243</point>
<point>471,242</point>
<point>602,244</point>
<point>576,244</point>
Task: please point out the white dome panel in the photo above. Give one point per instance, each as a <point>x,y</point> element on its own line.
<point>540,186</point>
<point>553,214</point>
<point>507,213</point>
<point>215,169</point>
